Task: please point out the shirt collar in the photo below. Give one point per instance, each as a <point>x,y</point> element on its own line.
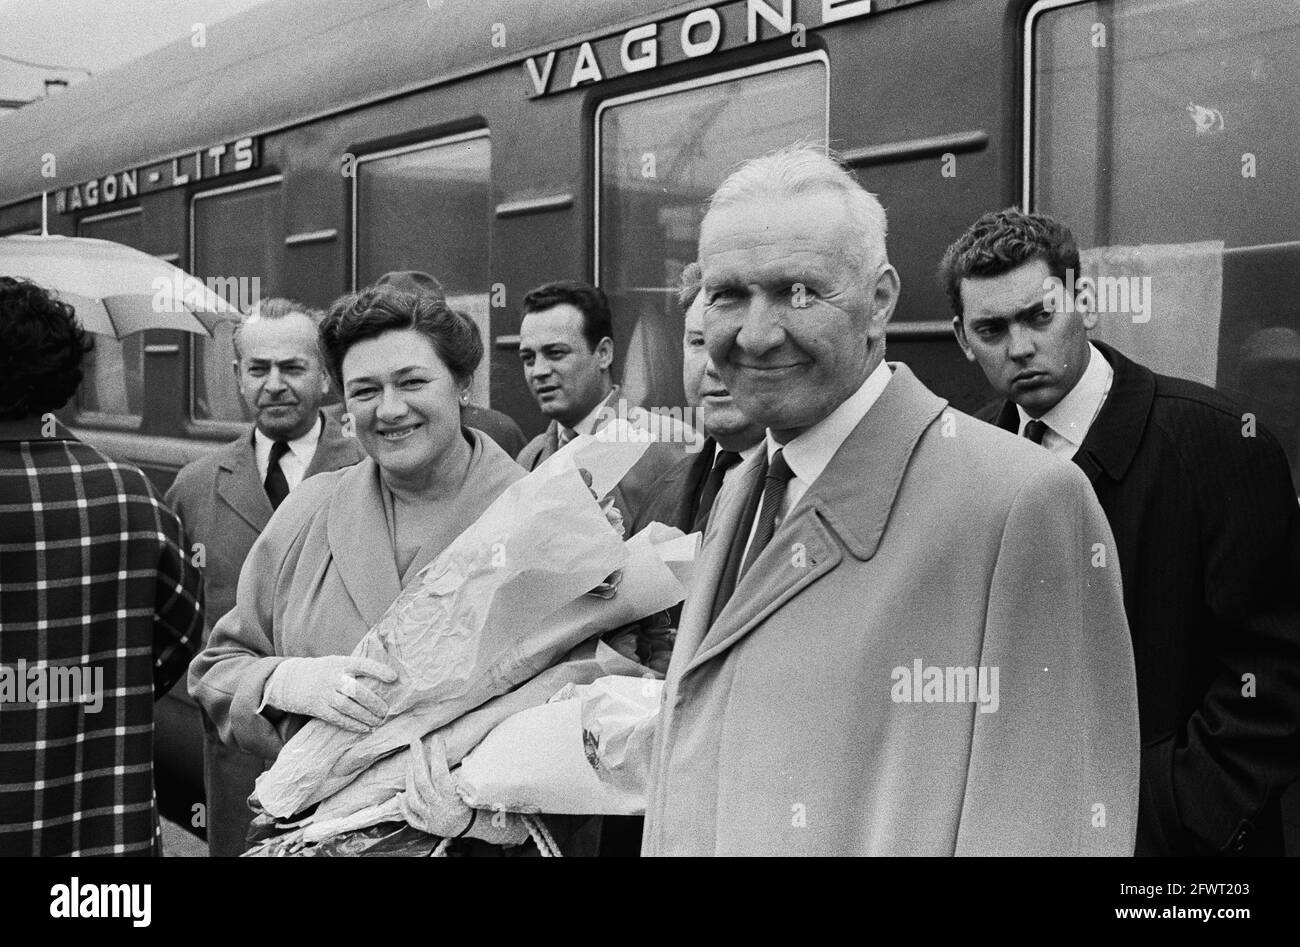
<point>1072,416</point>
<point>810,452</point>
<point>745,454</point>
<point>298,444</point>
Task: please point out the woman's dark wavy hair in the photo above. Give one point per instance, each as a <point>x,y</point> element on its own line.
<point>41,350</point>
<point>999,242</point>
<point>379,309</point>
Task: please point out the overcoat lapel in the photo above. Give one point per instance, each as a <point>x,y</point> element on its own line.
<point>359,542</point>
<point>551,446</point>
<point>852,499</point>
<point>239,487</point>
<point>334,450</point>
<point>728,511</point>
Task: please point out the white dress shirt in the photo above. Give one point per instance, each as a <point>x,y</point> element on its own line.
<point>1070,418</point>
<point>296,460</point>
<point>810,452</point>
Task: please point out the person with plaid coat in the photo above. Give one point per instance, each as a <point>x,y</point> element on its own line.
<point>100,607</point>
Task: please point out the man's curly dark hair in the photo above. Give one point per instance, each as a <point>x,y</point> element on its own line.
<point>999,242</point>
<point>41,350</point>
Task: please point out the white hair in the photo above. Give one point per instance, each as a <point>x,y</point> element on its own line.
<point>802,169</point>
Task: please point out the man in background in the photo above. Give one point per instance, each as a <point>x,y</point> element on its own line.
<point>99,607</point>
<point>226,499</point>
<point>566,345</point>
<point>683,496</point>
<point>1207,533</point>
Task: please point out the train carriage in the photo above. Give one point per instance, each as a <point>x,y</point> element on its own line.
<point>305,147</point>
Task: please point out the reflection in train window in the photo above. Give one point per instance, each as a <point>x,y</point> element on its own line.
<point>112,384</point>
<point>1162,134</point>
<point>427,207</point>
<point>661,155</point>
<point>237,247</point>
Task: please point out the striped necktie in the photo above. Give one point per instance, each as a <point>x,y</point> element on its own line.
<point>762,506</point>
<point>774,484</point>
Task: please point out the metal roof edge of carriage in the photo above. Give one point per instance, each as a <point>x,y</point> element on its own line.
<point>116,102</point>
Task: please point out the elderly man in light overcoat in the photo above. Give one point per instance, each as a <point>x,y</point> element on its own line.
<point>907,633</point>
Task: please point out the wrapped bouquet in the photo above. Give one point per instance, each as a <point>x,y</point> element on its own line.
<point>491,625</point>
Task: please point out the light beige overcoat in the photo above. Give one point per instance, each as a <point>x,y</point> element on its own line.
<point>931,537</point>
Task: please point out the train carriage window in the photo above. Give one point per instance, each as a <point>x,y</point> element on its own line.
<point>1162,133</point>
<point>112,386</point>
<point>237,246</point>
<point>661,154</point>
<point>427,207</point>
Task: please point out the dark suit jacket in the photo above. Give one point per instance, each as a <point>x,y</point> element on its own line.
<point>674,441</point>
<point>500,427</point>
<point>672,498</point>
<point>1208,536</point>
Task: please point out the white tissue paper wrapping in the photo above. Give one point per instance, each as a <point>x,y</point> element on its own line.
<point>506,600</point>
<point>587,751</point>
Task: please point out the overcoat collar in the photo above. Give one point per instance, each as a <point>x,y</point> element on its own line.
<point>362,550</point>
<point>851,501</point>
<point>1112,442</point>
<point>357,529</point>
<point>240,487</point>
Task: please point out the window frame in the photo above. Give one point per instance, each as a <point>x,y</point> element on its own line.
<point>355,198</point>
<point>212,426</point>
<point>1028,126</point>
<point>107,419</point>
<point>687,85</point>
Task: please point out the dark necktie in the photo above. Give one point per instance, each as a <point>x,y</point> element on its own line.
<point>774,484</point>
<point>725,460</point>
<point>1035,430</point>
<point>276,485</point>
<point>764,503</point>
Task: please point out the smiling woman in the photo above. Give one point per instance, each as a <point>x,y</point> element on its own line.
<point>346,542</point>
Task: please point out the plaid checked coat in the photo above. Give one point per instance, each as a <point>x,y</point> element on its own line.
<point>93,573</point>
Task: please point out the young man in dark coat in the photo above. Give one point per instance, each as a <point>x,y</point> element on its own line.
<point>1205,521</point>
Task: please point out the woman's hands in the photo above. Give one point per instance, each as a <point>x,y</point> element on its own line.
<point>431,803</point>
<point>328,688</point>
